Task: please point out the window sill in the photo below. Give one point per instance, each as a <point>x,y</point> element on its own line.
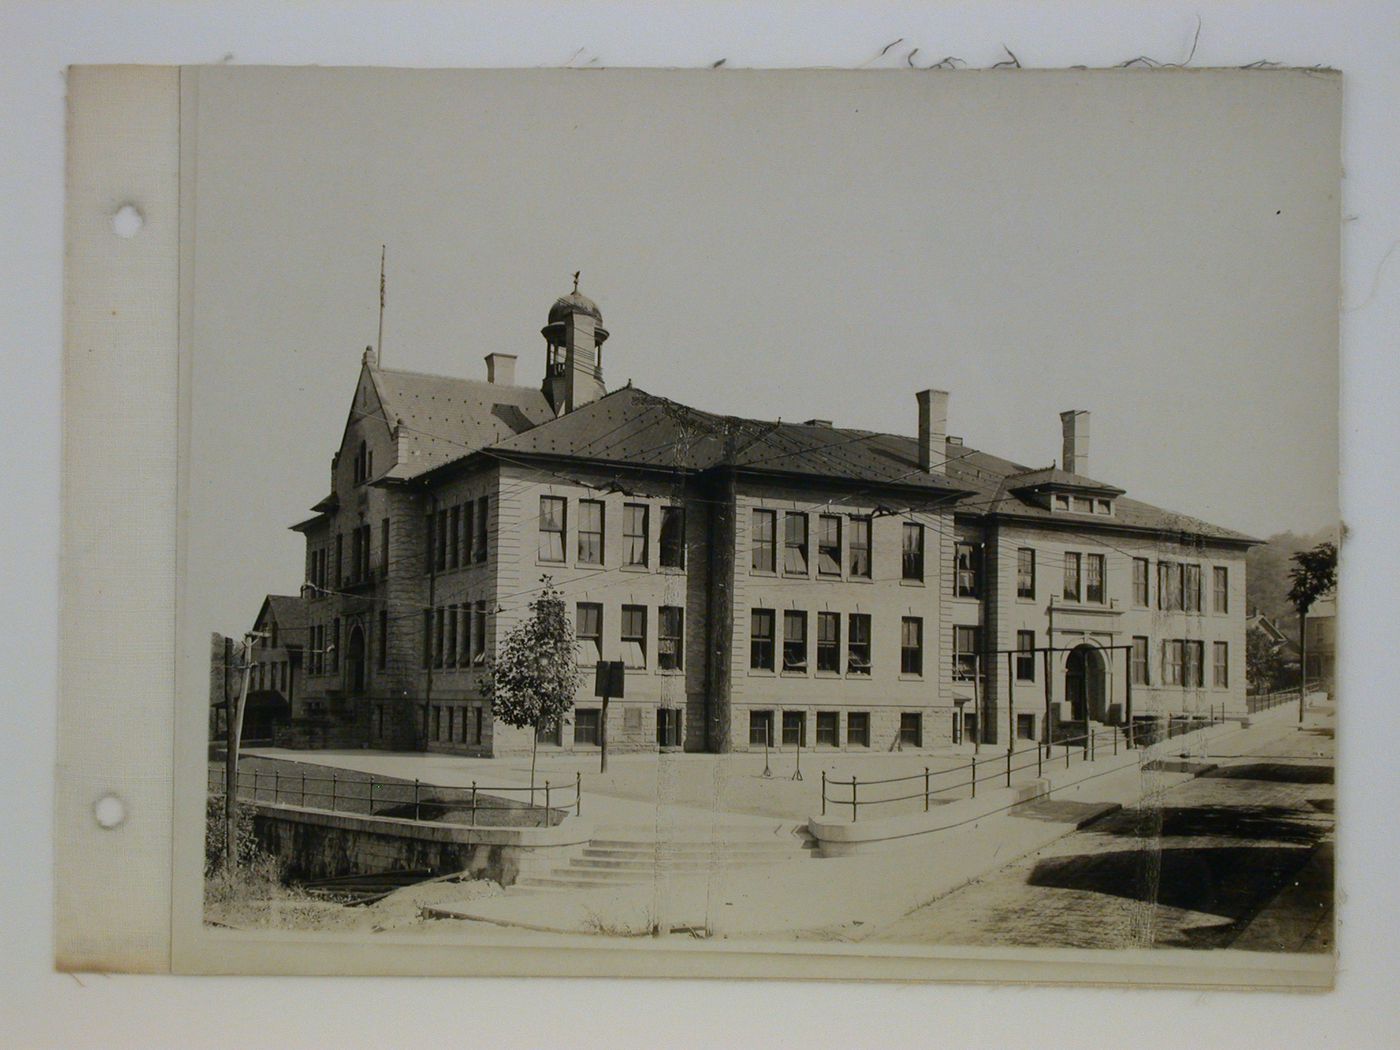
<point>794,674</point>
<point>761,672</point>
<point>1023,600</point>
<point>670,672</point>
<point>634,568</point>
<point>671,570</point>
<point>912,583</point>
<point>863,676</point>
<point>762,572</point>
<point>903,677</point>
<point>561,564</point>
<point>828,674</point>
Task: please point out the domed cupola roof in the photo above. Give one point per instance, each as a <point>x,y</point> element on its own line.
<point>574,303</point>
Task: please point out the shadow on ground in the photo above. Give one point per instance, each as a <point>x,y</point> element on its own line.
<point>1233,882</point>
<point>1273,824</point>
<point>1275,772</point>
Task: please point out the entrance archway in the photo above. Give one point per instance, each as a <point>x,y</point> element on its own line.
<point>1084,684</point>
<point>355,658</point>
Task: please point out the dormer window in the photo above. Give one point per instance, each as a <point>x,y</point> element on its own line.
<point>1061,502</point>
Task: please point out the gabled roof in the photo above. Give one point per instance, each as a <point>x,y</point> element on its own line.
<point>289,610</point>
<point>630,426</point>
<point>441,418</point>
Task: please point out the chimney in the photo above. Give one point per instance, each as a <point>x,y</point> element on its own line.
<point>1075,424</point>
<point>933,429</point>
<point>500,369</point>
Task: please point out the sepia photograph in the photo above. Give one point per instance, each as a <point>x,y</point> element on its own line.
<point>738,524</point>
<point>828,511</point>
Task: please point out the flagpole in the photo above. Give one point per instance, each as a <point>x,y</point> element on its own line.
<point>379,345</point>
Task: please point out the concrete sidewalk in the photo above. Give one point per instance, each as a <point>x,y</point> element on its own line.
<point>835,898</point>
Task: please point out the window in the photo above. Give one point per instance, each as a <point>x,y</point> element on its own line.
<point>794,728</point>
<point>913,548</point>
<point>858,644</point>
<point>828,729</point>
<point>966,643</point>
<point>858,729</point>
<point>860,548</point>
<point>552,524</point>
<point>760,728</point>
<point>588,627</point>
<point>1025,573</point>
<point>1025,657</point>
<point>1139,661</point>
<point>1082,504</point>
<point>1103,506</point>
<point>439,631</point>
<point>1173,659</point>
<point>479,545</point>
<point>761,639</point>
<point>911,645</point>
<point>451,643</point>
<point>1220,658</point>
<point>384,549</point>
<point>634,534</point>
<point>634,635</point>
<point>1025,727</point>
<point>795,642</point>
<point>590,531</point>
<point>1171,595</point>
<point>965,582</point>
<point>454,526</point>
<point>670,637</point>
<point>1062,503</point>
<point>795,544</point>
<point>1191,587</point>
<point>829,642</point>
<point>477,719</point>
<point>1140,590</point>
<point>1071,576</point>
<point>1195,660</point>
<point>673,537</point>
<point>764,540</point>
<point>334,647</point>
<point>1221,577</point>
<point>829,545</point>
<point>440,536</point>
<point>463,533</point>
<point>668,727</point>
<point>340,559</point>
<point>479,633</point>
<point>1094,579</point>
<point>911,729</point>
<point>550,733</point>
<point>586,726</point>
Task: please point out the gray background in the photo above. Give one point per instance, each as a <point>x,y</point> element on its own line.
<point>47,1009</point>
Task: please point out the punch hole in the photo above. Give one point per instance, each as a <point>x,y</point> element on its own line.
<point>128,221</point>
<point>109,811</point>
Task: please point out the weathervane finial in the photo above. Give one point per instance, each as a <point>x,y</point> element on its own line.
<point>576,273</point>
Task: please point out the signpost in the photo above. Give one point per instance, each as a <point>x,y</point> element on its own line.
<point>608,683</point>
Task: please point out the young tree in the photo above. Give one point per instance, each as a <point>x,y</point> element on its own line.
<point>1314,574</point>
<point>1262,662</point>
<point>532,681</point>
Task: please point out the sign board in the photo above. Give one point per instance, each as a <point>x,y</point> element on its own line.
<point>609,679</point>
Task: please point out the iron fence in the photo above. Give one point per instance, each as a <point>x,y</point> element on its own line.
<point>481,804</point>
<point>932,786</point>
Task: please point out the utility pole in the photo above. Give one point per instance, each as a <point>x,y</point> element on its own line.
<point>235,734</point>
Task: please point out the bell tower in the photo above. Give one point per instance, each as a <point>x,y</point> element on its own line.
<point>574,340</point>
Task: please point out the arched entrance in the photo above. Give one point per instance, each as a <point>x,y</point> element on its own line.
<point>355,660</point>
<point>1084,684</point>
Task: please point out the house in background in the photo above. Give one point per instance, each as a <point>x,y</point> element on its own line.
<point>1321,648</point>
<point>798,583</point>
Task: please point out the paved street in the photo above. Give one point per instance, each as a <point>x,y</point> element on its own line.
<point>1239,857</point>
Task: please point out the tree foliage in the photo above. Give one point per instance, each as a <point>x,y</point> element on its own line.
<point>1314,575</point>
<point>1263,663</point>
<point>532,681</point>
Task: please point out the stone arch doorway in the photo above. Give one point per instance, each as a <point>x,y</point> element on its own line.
<point>1085,684</point>
<point>355,660</point>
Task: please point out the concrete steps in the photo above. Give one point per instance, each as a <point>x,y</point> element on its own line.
<point>624,859</point>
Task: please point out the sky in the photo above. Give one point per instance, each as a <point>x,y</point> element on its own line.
<point>1160,249</point>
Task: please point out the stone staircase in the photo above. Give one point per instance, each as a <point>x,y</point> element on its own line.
<point>622,857</point>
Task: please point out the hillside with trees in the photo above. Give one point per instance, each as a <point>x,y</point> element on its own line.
<point>1267,580</point>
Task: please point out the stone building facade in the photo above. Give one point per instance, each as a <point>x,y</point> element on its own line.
<point>792,584</point>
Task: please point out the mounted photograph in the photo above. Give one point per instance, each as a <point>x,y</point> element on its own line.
<point>732,523</point>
